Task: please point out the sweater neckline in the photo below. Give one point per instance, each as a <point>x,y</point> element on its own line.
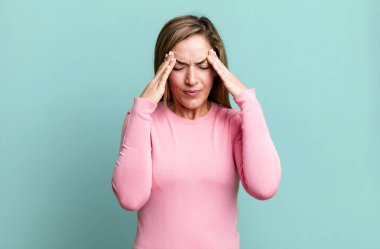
<point>180,119</point>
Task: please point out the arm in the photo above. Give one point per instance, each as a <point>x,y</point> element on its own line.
<point>132,177</point>
<point>255,155</point>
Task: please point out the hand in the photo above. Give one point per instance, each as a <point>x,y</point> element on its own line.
<point>230,81</point>
<point>156,87</point>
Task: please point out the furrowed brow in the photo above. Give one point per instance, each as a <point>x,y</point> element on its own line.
<point>197,63</point>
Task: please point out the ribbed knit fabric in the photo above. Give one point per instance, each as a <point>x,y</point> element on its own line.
<point>182,175</point>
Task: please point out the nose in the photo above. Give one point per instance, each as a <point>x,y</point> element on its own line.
<point>191,77</point>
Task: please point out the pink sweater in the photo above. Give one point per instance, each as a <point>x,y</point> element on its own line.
<point>182,175</point>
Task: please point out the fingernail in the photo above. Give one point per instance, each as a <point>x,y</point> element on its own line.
<point>166,55</point>
<point>170,53</point>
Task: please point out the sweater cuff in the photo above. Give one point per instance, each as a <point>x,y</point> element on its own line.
<point>143,107</point>
<point>247,95</point>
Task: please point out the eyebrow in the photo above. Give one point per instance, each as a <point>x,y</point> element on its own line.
<point>197,63</point>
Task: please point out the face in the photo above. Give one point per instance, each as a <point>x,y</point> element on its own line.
<point>192,72</point>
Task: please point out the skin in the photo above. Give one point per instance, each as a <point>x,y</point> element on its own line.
<point>190,76</point>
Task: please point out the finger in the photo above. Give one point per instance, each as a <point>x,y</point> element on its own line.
<point>163,66</point>
<point>167,71</point>
<point>161,69</point>
<point>217,64</point>
<point>163,62</point>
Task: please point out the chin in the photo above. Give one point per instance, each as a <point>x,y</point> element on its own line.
<point>192,103</point>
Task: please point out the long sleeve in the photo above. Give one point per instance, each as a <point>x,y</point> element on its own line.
<point>132,177</point>
<point>255,155</point>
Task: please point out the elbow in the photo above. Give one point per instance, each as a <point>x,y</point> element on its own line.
<point>266,191</point>
<point>264,195</point>
<point>261,193</point>
<point>130,205</point>
<point>130,202</point>
<point>270,190</point>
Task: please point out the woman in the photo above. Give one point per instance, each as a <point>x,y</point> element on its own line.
<point>184,150</point>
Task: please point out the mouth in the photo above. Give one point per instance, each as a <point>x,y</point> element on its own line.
<point>192,93</point>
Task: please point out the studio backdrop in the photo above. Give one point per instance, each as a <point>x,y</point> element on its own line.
<point>69,71</point>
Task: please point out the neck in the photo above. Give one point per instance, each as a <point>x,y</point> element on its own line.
<point>172,107</point>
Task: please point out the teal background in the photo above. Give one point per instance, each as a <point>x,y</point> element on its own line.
<point>70,70</point>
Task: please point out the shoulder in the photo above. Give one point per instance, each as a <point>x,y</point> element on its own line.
<point>232,120</point>
<point>229,114</point>
<point>158,115</point>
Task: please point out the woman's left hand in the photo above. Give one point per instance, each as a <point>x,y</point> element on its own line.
<point>230,81</point>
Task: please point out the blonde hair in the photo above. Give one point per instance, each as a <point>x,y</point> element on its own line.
<point>180,28</point>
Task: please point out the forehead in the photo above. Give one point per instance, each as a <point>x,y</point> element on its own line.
<point>192,49</point>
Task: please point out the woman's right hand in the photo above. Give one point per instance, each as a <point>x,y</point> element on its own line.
<point>156,87</point>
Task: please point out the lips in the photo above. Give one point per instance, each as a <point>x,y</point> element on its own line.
<point>192,91</point>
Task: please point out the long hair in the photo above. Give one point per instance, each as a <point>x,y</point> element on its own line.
<point>180,28</point>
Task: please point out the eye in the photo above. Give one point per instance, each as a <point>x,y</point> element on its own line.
<point>201,67</point>
<point>204,68</point>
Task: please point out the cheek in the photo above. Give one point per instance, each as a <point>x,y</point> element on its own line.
<point>208,77</point>
<point>174,78</point>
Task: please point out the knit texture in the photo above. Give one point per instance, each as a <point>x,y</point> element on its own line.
<point>182,175</point>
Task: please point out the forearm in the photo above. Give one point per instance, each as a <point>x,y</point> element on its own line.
<point>260,168</point>
<point>132,178</point>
